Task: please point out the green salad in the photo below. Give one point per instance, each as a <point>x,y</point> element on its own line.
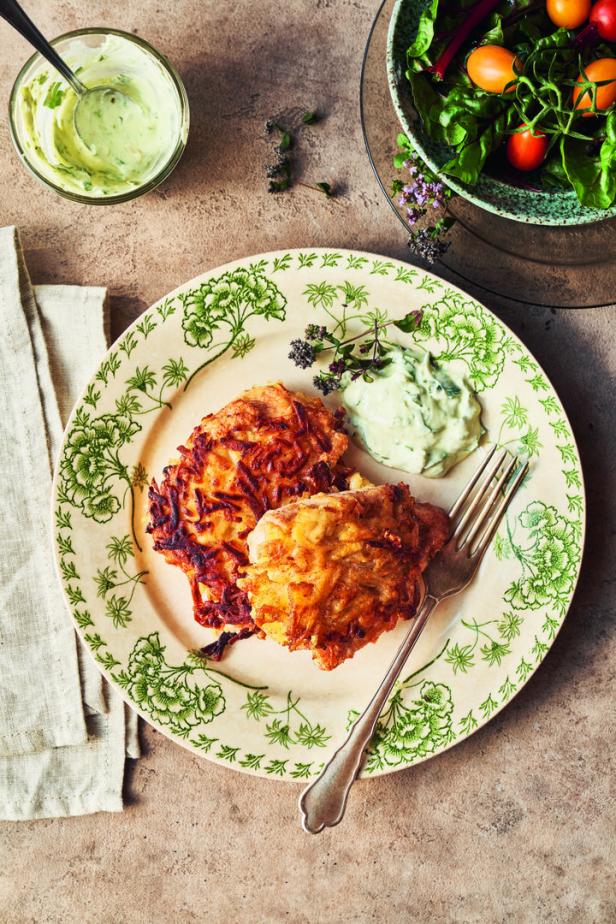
<point>523,90</point>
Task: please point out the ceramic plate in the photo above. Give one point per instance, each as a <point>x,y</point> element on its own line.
<point>263,709</point>
<point>556,207</point>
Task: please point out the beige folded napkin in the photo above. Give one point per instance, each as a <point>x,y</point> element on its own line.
<point>64,733</point>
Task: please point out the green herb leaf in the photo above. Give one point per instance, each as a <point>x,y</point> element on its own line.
<point>449,387</point>
<point>286,141</point>
<point>326,188</point>
<point>494,36</point>
<point>427,101</point>
<point>554,175</point>
<point>55,95</point>
<point>284,181</point>
<point>409,323</point>
<point>309,118</point>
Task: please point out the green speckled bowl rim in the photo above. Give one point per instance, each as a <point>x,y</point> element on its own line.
<point>556,208</point>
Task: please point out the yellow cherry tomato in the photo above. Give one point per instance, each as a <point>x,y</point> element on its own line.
<point>492,67</point>
<point>596,71</point>
<point>568,14</point>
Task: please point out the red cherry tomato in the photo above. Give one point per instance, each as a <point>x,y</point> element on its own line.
<point>603,17</point>
<point>492,67</point>
<point>596,71</point>
<point>526,151</point>
<point>568,14</point>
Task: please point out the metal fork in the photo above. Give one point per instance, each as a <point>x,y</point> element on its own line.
<point>474,518</point>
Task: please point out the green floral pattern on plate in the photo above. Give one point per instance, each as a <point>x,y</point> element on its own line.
<point>165,692</point>
<point>465,334</point>
<point>278,719</point>
<point>227,302</point>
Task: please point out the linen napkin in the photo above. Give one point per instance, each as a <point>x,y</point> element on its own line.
<point>64,732</point>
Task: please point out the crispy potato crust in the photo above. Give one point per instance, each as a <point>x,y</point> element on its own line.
<point>263,449</point>
<point>331,573</point>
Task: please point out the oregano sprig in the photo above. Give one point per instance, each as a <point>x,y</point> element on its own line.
<point>422,194</point>
<point>360,356</point>
<point>280,173</point>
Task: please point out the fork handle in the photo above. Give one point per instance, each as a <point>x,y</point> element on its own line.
<point>323,803</point>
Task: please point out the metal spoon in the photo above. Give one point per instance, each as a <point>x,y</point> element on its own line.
<point>16,17</point>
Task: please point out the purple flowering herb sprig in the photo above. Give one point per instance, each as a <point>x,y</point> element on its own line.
<point>280,174</point>
<point>423,196</point>
<point>361,356</point>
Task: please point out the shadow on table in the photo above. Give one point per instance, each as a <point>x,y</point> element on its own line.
<point>232,93</point>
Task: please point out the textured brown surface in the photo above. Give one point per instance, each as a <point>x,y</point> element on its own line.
<point>514,825</point>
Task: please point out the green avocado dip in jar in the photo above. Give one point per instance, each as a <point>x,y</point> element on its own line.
<point>125,140</point>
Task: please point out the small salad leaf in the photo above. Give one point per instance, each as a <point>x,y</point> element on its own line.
<point>495,35</point>
<point>467,98</point>
<point>554,176</point>
<point>582,170</point>
<point>559,39</point>
<point>468,162</point>
<point>593,176</point>
<point>427,100</point>
<point>530,33</point>
<point>425,30</point>
<point>425,96</point>
<point>325,188</point>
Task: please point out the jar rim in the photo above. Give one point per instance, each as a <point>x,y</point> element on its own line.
<point>165,169</point>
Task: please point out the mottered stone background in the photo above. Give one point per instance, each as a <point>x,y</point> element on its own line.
<point>514,825</point>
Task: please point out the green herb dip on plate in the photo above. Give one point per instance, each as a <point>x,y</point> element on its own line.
<point>415,415</point>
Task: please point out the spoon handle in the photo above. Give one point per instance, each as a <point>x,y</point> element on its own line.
<point>16,17</point>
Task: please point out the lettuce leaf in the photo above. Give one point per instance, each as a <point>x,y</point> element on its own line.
<point>470,159</point>
<point>425,31</point>
<point>457,117</point>
<point>592,175</point>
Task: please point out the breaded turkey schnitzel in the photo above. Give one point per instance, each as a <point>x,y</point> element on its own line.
<point>333,572</point>
<point>266,447</point>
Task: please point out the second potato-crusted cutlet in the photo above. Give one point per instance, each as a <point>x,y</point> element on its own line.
<point>261,450</point>
<point>331,573</point>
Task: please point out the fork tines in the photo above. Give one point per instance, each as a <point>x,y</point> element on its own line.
<point>477,513</point>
